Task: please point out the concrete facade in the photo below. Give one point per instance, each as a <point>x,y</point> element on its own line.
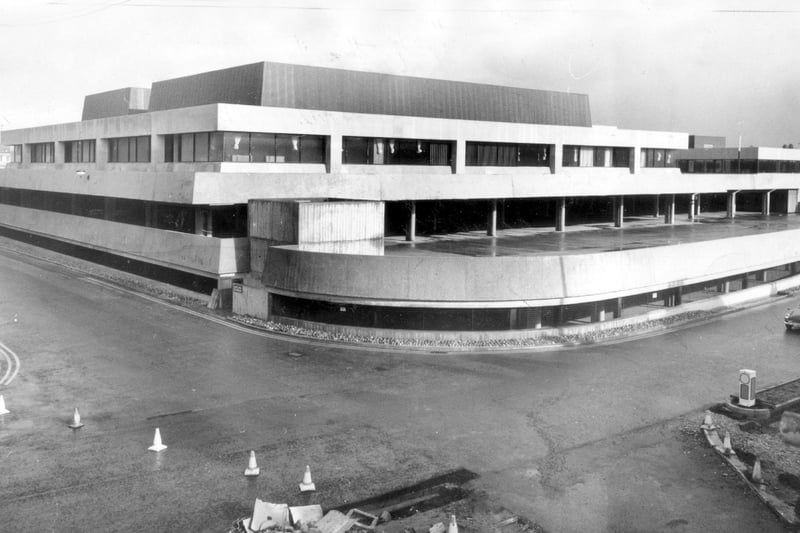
<point>186,213</point>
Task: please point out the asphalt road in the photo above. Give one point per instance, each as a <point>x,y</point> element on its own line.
<point>600,438</point>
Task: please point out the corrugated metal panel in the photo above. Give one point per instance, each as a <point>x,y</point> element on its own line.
<point>304,87</point>
<point>274,221</point>
<point>115,103</point>
<point>339,222</point>
<point>237,85</point>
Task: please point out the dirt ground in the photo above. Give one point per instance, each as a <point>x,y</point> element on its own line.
<point>780,462</point>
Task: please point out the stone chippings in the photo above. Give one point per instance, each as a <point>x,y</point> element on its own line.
<point>534,341</point>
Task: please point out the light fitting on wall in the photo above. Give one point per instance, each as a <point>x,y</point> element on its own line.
<point>82,174</point>
<point>391,146</point>
<point>295,143</point>
<point>419,147</point>
<point>379,147</point>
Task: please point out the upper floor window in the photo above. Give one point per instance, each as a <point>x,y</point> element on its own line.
<point>595,156</point>
<point>656,158</point>
<point>381,151</point>
<point>42,152</point>
<point>129,149</point>
<point>79,151</point>
<point>17,157</point>
<point>484,154</point>
<point>244,147</point>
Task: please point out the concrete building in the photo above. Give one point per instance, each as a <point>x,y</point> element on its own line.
<point>279,185</point>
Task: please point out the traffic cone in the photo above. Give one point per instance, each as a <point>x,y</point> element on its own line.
<point>726,444</point>
<point>307,485</point>
<point>708,422</point>
<point>157,446</point>
<point>252,468</point>
<point>756,474</point>
<point>453,527</point>
<point>3,410</point>
<point>76,420</point>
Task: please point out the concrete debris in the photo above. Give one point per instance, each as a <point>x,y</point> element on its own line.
<point>305,515</point>
<point>269,515</point>
<point>335,522</point>
<point>438,527</point>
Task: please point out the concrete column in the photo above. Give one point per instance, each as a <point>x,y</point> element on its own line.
<point>669,211</point>
<point>791,202</point>
<point>697,205</point>
<point>101,152</point>
<point>108,207</point>
<point>765,199</point>
<point>732,204</point>
<point>636,159</point>
<point>58,152</point>
<point>761,276</point>
<point>535,318</point>
<point>745,282</point>
<point>619,210</point>
<point>333,154</point>
<point>678,295</point>
<point>725,287</point>
<point>657,207</point>
<point>149,215</point>
<point>561,214</point>
<point>411,234</point>
<point>793,269</point>
<point>491,227</point>
<point>599,314</point>
<point>556,155</point>
<point>561,315</point>
<point>618,308</point>
<point>157,148</point>
<point>691,206</point>
<point>460,159</point>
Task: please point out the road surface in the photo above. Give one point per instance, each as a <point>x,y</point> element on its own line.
<point>600,438</point>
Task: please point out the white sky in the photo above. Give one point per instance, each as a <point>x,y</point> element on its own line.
<point>706,67</point>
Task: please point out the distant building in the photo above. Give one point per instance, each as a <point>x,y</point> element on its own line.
<point>6,155</point>
<point>278,184</point>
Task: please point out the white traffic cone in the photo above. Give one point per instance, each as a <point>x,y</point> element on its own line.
<point>3,410</point>
<point>756,474</point>
<point>453,527</point>
<point>252,468</point>
<point>307,485</point>
<point>157,446</point>
<point>726,444</point>
<point>76,420</point>
<point>708,423</point>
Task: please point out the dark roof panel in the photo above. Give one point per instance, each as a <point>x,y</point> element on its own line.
<point>116,103</point>
<point>236,85</point>
<point>304,87</point>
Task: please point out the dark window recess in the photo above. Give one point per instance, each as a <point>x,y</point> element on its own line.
<point>79,151</point>
<point>507,155</point>
<point>228,221</point>
<point>244,147</point>
<point>175,218</point>
<point>129,149</point>
<point>42,152</point>
<point>391,317</point>
<point>377,151</point>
